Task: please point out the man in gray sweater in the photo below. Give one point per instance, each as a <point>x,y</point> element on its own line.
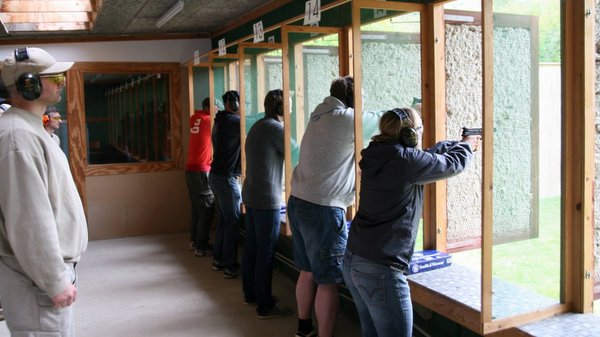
<point>43,230</point>
<point>262,196</point>
<point>322,189</point>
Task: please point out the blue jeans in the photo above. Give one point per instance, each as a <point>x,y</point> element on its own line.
<point>203,206</point>
<point>262,228</point>
<point>381,295</point>
<point>319,237</point>
<point>227,194</point>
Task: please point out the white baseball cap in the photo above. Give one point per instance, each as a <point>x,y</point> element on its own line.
<point>33,60</point>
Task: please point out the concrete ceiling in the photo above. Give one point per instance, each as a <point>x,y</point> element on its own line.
<point>137,18</point>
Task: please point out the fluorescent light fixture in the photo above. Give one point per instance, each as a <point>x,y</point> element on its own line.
<point>168,15</point>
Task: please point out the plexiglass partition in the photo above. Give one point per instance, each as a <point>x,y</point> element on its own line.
<point>527,241</point>
<point>224,76</point>
<point>260,72</point>
<point>313,62</point>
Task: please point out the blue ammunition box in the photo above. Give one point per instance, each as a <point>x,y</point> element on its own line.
<point>426,260</point>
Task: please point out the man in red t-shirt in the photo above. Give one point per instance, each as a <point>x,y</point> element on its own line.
<point>197,168</point>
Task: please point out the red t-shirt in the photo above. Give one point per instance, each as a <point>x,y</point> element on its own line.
<point>200,146</point>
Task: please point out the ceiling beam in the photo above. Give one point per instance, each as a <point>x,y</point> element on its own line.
<point>32,27</point>
<point>8,18</point>
<point>46,6</point>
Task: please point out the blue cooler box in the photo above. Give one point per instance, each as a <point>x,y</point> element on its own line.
<point>426,260</point>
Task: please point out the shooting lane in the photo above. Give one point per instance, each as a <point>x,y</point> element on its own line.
<point>415,54</point>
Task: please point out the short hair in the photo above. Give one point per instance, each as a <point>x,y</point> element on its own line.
<point>274,103</point>
<point>390,124</point>
<point>342,88</point>
<point>206,103</point>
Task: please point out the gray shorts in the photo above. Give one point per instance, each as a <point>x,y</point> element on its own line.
<point>28,310</point>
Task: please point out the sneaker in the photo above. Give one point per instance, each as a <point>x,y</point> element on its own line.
<point>276,312</point>
<point>200,252</point>
<point>216,265</point>
<point>192,246</point>
<point>231,273</point>
<point>253,302</point>
<point>312,333</point>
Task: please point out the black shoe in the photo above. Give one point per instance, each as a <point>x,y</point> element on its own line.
<point>312,333</point>
<point>253,302</point>
<point>276,312</point>
<point>192,246</point>
<point>216,265</point>
<point>231,273</point>
<point>200,252</point>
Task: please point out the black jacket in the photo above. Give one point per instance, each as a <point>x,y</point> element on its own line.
<point>226,145</point>
<point>391,196</point>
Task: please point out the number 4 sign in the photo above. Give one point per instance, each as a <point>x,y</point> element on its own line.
<point>312,12</point>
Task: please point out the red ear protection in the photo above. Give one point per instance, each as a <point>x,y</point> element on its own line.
<point>46,120</point>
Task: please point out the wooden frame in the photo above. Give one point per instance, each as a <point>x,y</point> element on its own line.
<point>77,124</point>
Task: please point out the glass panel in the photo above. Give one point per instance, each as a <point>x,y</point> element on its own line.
<point>391,38</point>
<point>127,117</point>
<point>527,220</point>
<point>464,109</point>
<point>314,63</point>
<point>201,85</point>
<point>262,73</point>
<point>226,78</point>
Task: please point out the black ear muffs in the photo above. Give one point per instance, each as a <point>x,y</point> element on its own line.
<point>232,100</point>
<point>28,85</point>
<point>408,136</point>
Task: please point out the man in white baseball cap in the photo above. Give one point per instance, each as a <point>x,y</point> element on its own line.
<point>43,230</point>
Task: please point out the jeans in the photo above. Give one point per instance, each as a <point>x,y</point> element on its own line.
<point>227,194</point>
<point>203,205</point>
<point>319,237</point>
<point>262,228</point>
<point>381,295</point>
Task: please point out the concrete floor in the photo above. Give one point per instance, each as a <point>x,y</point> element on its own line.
<point>154,286</point>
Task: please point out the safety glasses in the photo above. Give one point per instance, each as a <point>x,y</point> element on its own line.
<point>58,79</point>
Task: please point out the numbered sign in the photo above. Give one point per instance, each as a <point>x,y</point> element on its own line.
<point>312,12</point>
<point>379,13</point>
<point>222,49</point>
<point>271,39</point>
<point>259,34</point>
<point>196,57</point>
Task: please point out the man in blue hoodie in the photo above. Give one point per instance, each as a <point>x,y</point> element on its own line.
<point>383,232</point>
<point>223,180</point>
<point>322,189</point>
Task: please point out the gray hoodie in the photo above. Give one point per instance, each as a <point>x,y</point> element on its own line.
<point>325,173</point>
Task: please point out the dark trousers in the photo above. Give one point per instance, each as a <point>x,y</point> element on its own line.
<point>262,228</point>
<point>228,196</point>
<point>203,207</point>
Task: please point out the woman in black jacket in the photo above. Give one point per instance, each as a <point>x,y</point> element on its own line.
<point>382,234</point>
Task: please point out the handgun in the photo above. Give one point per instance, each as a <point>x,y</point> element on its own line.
<point>471,132</point>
